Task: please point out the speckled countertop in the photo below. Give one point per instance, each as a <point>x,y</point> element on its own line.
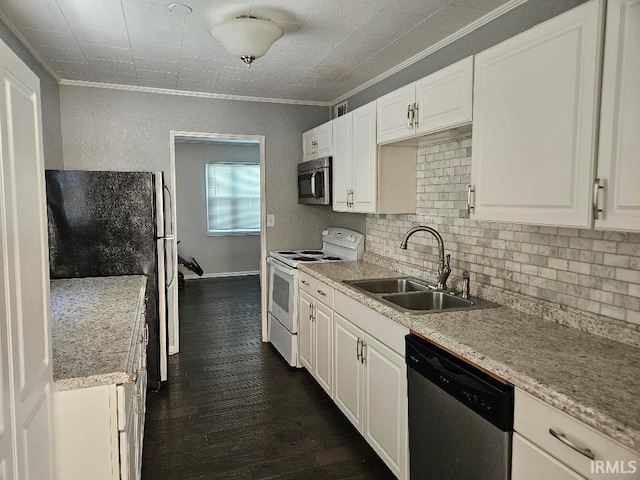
<point>591,378</point>
<point>94,324</point>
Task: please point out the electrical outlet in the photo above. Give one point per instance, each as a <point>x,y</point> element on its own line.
<point>271,220</point>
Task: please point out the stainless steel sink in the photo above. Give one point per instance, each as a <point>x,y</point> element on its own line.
<point>389,285</point>
<point>427,301</point>
<point>412,296</point>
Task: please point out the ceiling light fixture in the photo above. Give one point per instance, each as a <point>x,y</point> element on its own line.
<point>246,37</point>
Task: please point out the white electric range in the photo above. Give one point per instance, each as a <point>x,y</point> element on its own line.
<point>338,245</point>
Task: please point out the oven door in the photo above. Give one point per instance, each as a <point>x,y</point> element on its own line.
<point>283,294</point>
<point>313,187</point>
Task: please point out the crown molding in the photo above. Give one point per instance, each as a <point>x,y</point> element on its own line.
<point>492,15</point>
<point>28,46</point>
<point>185,93</point>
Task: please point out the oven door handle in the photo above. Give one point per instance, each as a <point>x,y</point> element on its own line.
<point>313,184</point>
<point>281,267</point>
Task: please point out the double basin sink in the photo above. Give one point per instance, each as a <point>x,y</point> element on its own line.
<point>412,296</point>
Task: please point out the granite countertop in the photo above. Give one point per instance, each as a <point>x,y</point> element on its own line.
<point>591,378</point>
<point>94,325</point>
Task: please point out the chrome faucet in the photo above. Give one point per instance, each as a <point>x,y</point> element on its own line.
<point>465,285</point>
<point>444,268</point>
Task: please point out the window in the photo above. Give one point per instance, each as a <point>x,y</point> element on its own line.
<point>233,198</point>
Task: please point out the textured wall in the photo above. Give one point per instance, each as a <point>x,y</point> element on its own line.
<point>511,23</point>
<point>121,130</point>
<point>591,270</point>
<point>50,98</point>
<point>219,253</point>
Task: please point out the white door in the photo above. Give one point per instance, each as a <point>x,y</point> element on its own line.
<point>324,139</point>
<point>364,155</point>
<point>26,368</point>
<point>342,164</point>
<point>534,119</point>
<point>618,165</point>
<point>348,369</point>
<point>444,98</point>
<point>305,331</point>
<point>323,345</point>
<point>385,398</point>
<point>394,114</point>
<point>309,145</point>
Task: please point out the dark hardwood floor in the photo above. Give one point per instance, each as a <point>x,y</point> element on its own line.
<point>233,409</point>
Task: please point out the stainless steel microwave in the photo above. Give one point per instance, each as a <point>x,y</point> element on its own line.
<point>314,182</point>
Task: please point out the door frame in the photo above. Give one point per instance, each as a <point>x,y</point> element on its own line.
<point>173,136</point>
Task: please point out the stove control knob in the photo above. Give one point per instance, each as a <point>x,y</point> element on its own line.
<point>352,238</point>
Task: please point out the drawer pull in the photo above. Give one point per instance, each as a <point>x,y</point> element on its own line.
<point>322,293</point>
<point>563,438</point>
<point>304,282</point>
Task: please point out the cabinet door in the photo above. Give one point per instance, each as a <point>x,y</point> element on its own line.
<point>342,164</point>
<point>385,398</point>
<point>308,145</point>
<point>444,98</point>
<point>531,463</point>
<point>324,139</point>
<point>618,165</point>
<point>323,345</point>
<point>534,118</point>
<point>305,331</point>
<point>394,115</point>
<point>348,370</point>
<point>364,151</point>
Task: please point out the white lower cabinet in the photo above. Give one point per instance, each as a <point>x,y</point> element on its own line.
<point>315,339</point>
<point>370,381</point>
<point>100,430</point>
<point>549,444</point>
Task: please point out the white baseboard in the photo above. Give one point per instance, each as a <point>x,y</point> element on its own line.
<point>223,274</point>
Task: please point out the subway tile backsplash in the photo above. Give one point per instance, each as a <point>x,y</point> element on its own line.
<point>588,270</point>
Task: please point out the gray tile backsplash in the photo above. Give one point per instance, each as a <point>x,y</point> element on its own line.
<point>589,270</point>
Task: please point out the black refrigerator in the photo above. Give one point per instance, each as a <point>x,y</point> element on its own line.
<point>113,223</point>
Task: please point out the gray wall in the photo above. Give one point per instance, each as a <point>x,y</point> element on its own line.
<point>511,23</point>
<point>121,130</point>
<point>50,100</point>
<point>219,253</point>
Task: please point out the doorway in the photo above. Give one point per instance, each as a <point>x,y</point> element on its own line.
<point>215,186</point>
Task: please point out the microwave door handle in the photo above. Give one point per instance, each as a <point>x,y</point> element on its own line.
<point>313,184</point>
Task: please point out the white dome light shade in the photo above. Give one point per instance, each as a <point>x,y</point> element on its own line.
<point>246,38</point>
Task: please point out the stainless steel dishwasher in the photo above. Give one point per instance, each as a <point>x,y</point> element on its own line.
<point>460,418</point>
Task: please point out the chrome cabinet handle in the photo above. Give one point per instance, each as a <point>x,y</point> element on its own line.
<point>597,186</point>
<point>470,191</point>
<point>363,355</point>
<point>358,350</point>
<point>304,282</point>
<point>311,312</point>
<point>409,117</point>
<point>322,293</point>
<point>415,115</point>
<point>563,438</point>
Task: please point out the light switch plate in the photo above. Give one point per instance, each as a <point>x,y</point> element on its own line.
<point>271,220</point>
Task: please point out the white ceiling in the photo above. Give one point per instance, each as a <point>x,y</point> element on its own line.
<point>330,47</point>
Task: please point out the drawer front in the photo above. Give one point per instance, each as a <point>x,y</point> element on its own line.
<point>124,393</point>
<point>562,436</point>
<point>318,290</point>
<point>531,463</point>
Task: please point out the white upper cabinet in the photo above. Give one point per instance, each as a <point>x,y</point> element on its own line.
<point>368,178</point>
<point>444,98</point>
<point>437,102</point>
<point>618,160</point>
<point>318,142</point>
<point>535,121</point>
<point>394,114</point>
